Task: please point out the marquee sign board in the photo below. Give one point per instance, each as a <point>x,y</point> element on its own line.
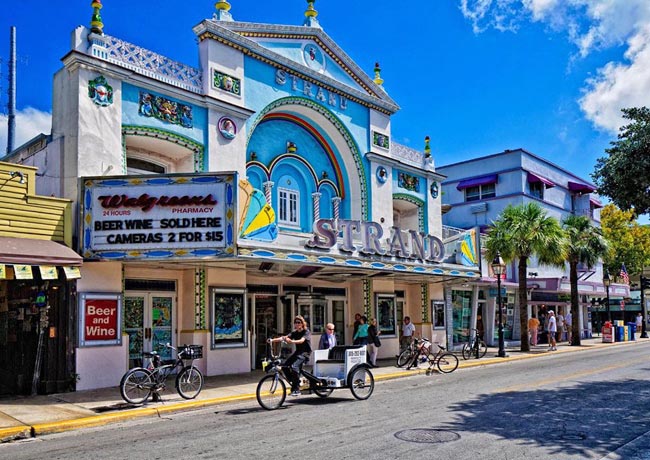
<point>170,216</point>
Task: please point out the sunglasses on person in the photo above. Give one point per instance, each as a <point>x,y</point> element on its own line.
<point>330,328</point>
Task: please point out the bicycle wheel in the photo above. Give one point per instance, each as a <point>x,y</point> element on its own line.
<point>404,357</point>
<point>362,383</point>
<point>467,351</point>
<point>271,392</point>
<point>482,350</point>
<point>189,382</point>
<point>136,385</point>
<point>447,362</point>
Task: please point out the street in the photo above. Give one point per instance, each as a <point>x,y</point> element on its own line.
<point>582,405</point>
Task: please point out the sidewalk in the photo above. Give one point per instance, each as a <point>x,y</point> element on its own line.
<point>30,416</point>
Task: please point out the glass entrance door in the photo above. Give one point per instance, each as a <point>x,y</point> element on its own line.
<point>338,318</point>
<point>148,320</point>
<point>266,324</point>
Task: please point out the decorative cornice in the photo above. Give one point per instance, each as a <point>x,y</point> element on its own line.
<point>236,35</point>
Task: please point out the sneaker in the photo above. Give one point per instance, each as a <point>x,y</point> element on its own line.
<point>295,393</point>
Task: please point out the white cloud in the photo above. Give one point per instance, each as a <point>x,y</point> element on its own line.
<point>30,122</point>
<point>590,25</point>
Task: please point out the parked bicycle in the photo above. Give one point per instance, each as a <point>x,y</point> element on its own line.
<point>338,367</point>
<point>445,361</point>
<point>406,356</point>
<point>475,348</point>
<point>139,383</point>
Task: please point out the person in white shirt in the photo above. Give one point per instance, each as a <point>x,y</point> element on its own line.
<point>552,330</point>
<point>559,319</point>
<point>408,332</point>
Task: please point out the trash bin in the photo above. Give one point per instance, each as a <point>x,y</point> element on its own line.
<point>632,332</point>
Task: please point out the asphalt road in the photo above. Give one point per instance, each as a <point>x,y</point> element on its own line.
<point>587,405</point>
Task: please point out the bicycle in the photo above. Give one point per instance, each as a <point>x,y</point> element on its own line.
<point>475,347</point>
<point>271,390</point>
<point>139,383</point>
<point>410,351</point>
<point>445,361</point>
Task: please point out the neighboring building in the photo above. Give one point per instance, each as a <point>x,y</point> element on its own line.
<point>37,286</point>
<point>477,191</point>
<point>218,202</point>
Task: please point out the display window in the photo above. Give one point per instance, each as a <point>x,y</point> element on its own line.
<point>228,308</point>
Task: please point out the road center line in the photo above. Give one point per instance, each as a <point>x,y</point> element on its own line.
<point>573,376</point>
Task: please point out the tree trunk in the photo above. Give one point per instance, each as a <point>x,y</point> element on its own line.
<point>523,303</point>
<point>575,307</point>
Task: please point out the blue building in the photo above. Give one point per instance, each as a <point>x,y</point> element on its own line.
<point>476,191</point>
<point>216,202</point>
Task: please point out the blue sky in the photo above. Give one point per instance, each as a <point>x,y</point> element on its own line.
<point>477,76</point>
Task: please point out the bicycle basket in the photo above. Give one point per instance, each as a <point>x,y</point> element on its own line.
<point>190,351</point>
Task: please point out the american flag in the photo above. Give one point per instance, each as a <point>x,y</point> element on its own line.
<point>624,275</point>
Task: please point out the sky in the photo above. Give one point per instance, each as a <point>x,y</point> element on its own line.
<point>477,76</point>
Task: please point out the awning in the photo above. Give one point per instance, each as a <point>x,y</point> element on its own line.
<point>597,204</point>
<point>581,188</point>
<point>535,178</point>
<point>476,181</point>
<point>25,251</point>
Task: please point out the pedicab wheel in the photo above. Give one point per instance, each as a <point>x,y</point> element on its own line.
<point>136,385</point>
<point>467,351</point>
<point>362,383</point>
<point>271,392</point>
<point>189,382</point>
<point>323,393</point>
<point>447,362</point>
<point>403,358</point>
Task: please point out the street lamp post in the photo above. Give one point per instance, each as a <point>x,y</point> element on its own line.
<point>499,268</point>
<point>607,281</point>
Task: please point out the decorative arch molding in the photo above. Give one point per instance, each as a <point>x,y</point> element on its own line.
<point>417,202</point>
<point>272,111</point>
<point>157,133</point>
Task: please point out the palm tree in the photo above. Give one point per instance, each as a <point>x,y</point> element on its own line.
<point>519,233</point>
<point>585,244</point>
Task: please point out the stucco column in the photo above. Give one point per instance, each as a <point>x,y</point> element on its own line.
<point>315,197</point>
<point>268,189</point>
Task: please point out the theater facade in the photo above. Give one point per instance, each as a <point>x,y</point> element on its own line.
<point>216,202</point>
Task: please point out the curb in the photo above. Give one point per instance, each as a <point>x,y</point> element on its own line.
<point>24,431</point>
<point>15,432</point>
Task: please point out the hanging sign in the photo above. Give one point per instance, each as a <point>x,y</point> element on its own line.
<point>23,272</point>
<point>100,319</point>
<point>48,272</point>
<point>72,273</point>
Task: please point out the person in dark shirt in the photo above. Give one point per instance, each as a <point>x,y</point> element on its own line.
<point>301,338</point>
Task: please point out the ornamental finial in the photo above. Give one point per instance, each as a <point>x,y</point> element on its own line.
<point>96,24</point>
<point>427,147</point>
<point>310,15</point>
<point>223,11</point>
<point>378,78</point>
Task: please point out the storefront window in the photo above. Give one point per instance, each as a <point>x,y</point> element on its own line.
<point>462,311</point>
<point>228,317</point>
<point>386,314</point>
<point>438,314</point>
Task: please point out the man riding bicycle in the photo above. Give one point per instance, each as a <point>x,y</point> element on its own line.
<point>301,338</point>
